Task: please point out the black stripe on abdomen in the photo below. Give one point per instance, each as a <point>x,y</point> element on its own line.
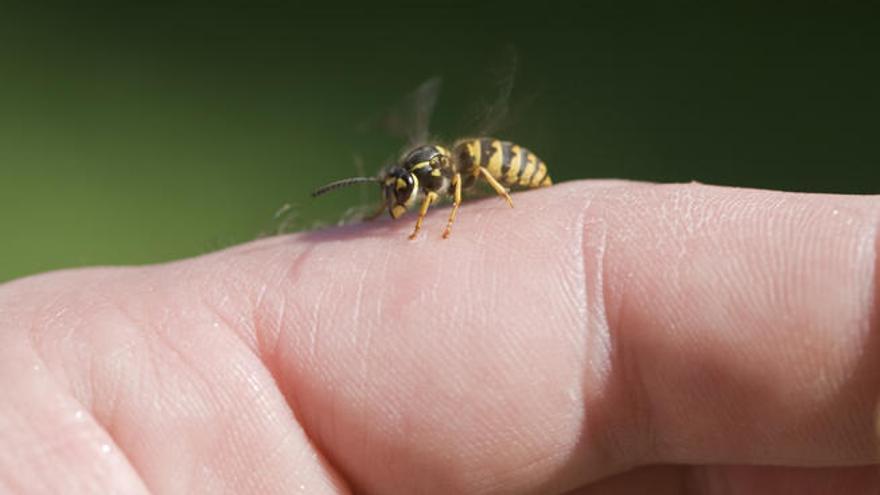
<point>507,157</point>
<point>486,151</point>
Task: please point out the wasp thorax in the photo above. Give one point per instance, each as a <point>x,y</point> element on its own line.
<point>422,154</point>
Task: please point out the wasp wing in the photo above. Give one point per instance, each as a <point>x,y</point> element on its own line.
<point>410,118</point>
<point>491,113</point>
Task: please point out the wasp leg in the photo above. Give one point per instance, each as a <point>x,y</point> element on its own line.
<point>495,185</point>
<point>429,198</point>
<point>456,202</point>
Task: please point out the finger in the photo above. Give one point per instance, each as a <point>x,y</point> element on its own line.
<point>164,384</point>
<point>503,358</point>
<point>50,442</point>
<point>594,329</point>
<point>747,322</point>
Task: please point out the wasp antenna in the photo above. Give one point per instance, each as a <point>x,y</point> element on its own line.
<point>342,183</point>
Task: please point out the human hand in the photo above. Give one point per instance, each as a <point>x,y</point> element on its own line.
<point>601,337</point>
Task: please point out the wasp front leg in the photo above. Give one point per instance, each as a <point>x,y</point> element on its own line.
<point>430,197</point>
<point>496,185</point>
<point>456,202</point>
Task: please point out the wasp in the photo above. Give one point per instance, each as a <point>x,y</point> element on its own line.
<point>429,173</point>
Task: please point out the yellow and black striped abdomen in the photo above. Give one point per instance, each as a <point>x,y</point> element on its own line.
<point>509,163</point>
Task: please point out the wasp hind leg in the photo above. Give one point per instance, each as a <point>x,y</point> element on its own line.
<point>501,190</point>
<point>429,198</point>
<point>456,202</point>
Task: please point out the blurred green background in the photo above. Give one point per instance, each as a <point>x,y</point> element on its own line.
<point>135,134</point>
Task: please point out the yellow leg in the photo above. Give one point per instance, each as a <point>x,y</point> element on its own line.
<point>456,201</point>
<point>429,198</point>
<point>495,185</point>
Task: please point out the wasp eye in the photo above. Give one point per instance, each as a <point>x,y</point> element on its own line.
<point>403,188</point>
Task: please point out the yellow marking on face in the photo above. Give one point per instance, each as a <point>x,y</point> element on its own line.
<point>397,211</point>
<point>441,150</point>
<point>420,165</point>
<point>494,165</point>
<point>529,170</point>
<point>401,184</point>
<point>436,172</point>
<point>415,191</point>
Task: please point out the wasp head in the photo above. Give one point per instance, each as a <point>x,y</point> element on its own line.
<point>400,189</point>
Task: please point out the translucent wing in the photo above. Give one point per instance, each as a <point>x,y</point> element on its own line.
<point>410,119</point>
<point>493,113</point>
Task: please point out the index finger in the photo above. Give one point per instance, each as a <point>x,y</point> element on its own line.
<point>591,329</point>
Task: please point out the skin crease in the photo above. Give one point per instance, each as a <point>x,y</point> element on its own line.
<point>600,338</point>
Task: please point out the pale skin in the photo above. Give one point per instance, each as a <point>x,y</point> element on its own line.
<point>601,338</point>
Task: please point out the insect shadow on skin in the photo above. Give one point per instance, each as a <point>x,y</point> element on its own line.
<point>427,172</point>
<point>382,229</point>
